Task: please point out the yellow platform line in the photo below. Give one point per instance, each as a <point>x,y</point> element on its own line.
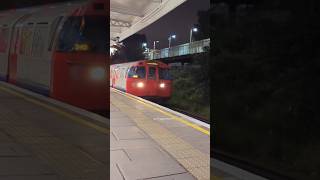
<point>58,111</point>
<point>168,114</point>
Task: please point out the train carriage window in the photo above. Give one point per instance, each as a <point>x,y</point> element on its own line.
<point>164,74</point>
<point>26,40</point>
<point>152,73</point>
<point>4,34</point>
<point>85,33</point>
<point>39,39</point>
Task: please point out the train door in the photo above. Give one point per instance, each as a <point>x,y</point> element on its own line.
<point>152,81</point>
<point>4,42</point>
<point>39,58</point>
<point>13,55</point>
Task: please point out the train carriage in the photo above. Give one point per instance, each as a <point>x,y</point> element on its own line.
<point>145,78</point>
<point>58,50</point>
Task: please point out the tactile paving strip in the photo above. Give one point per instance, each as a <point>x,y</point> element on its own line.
<point>196,162</point>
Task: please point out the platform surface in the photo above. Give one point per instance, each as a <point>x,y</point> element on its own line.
<point>42,141</point>
<point>39,141</point>
<point>149,143</point>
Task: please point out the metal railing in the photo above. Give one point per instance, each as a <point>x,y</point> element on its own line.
<point>183,49</point>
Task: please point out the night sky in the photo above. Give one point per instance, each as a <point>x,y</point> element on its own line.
<point>179,22</point>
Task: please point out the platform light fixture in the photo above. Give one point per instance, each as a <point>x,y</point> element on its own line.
<point>112,51</point>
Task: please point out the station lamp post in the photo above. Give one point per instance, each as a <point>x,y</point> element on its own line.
<point>191,32</point>
<point>170,38</point>
<point>144,45</point>
<point>154,45</point>
<point>146,50</point>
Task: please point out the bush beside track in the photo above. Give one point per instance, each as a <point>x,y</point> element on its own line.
<point>191,90</point>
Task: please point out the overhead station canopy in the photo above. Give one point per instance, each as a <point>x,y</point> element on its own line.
<point>130,16</point>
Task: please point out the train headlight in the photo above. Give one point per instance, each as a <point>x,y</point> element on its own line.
<point>97,73</point>
<point>140,85</point>
<point>162,85</point>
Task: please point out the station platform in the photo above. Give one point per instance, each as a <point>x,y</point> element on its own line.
<point>148,141</point>
<point>43,139</point>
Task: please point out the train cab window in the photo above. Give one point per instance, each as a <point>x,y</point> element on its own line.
<point>164,74</point>
<point>152,73</point>
<point>137,72</point>
<point>84,33</point>
<point>141,72</point>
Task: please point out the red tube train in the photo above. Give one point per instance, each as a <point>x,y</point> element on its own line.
<point>58,50</point>
<point>149,79</point>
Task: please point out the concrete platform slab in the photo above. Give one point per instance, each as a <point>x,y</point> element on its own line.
<point>145,170</point>
<point>22,166</point>
<point>183,176</point>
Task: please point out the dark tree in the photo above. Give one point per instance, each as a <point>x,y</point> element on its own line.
<point>265,90</point>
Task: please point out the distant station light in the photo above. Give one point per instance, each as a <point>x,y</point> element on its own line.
<point>144,45</point>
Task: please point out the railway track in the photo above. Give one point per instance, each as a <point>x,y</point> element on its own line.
<point>250,167</point>
<point>203,119</point>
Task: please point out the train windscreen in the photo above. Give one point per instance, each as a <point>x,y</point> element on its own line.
<point>164,74</point>
<point>137,72</point>
<point>84,33</point>
<point>152,73</point>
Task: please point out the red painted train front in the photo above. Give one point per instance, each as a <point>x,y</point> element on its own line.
<point>149,79</point>
<point>59,50</point>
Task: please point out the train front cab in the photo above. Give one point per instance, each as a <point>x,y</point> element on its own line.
<point>80,73</point>
<point>150,80</point>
